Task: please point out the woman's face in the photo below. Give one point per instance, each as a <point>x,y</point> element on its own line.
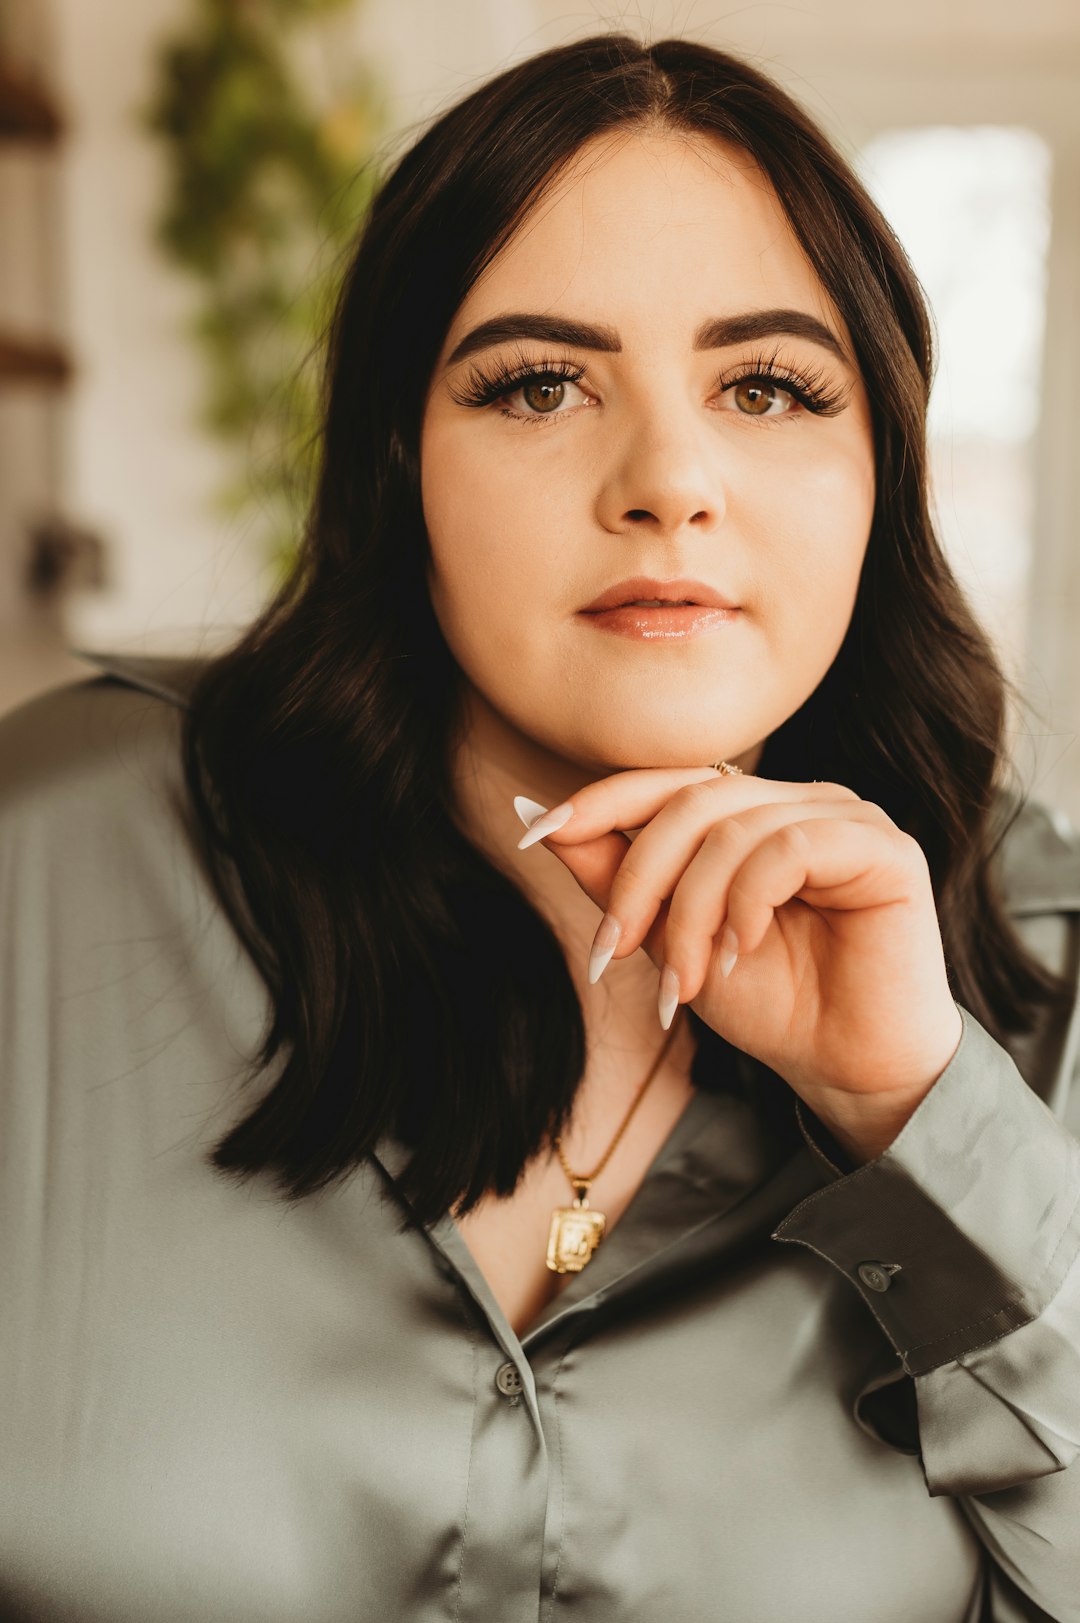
<point>670,456</point>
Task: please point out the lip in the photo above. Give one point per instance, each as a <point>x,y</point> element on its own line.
<point>624,592</point>
<point>651,625</point>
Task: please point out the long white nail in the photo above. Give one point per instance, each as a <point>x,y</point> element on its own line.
<point>668,999</point>
<point>528,810</point>
<point>604,943</point>
<point>540,821</point>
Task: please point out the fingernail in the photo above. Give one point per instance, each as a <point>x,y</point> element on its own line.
<point>528,810</point>
<point>539,821</point>
<point>669,995</point>
<point>605,941</point>
<point>729,950</point>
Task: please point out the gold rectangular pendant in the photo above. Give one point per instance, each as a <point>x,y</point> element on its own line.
<point>576,1231</point>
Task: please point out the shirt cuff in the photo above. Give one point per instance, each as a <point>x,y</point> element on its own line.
<point>965,1227</point>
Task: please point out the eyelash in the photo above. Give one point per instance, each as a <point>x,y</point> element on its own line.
<point>809,388</point>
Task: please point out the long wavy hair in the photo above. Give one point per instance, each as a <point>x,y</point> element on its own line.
<point>318,749</point>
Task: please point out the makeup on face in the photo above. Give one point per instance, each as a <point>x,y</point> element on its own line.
<point>647,608</point>
<point>647,467</point>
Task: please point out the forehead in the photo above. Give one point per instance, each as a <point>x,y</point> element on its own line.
<point>652,231</point>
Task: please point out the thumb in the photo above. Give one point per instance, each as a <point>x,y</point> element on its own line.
<point>594,864</point>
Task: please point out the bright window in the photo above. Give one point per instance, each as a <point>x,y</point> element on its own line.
<point>972,208</point>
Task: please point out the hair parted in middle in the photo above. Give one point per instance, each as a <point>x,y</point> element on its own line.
<point>318,749</point>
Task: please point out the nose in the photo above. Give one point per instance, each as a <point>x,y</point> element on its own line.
<point>663,476</point>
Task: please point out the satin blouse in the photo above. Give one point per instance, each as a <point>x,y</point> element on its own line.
<point>782,1391</point>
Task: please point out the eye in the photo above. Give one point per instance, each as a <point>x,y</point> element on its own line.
<point>759,397</point>
<point>542,394</point>
<point>543,385</point>
<point>766,386</point>
<point>760,386</point>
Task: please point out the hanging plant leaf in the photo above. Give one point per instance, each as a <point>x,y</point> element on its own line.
<point>267,183</point>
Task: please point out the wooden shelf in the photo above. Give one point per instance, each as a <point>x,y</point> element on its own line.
<point>27,112</point>
<point>30,360</point>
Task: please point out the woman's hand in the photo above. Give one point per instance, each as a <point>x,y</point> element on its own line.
<point>840,983</point>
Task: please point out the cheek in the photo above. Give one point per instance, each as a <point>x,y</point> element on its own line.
<point>490,543</point>
<point>820,523</point>
<point>842,483</point>
<point>496,520</point>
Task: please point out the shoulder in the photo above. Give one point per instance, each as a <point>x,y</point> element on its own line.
<point>110,733</point>
<point>70,729</point>
<point>102,872</point>
<point>122,966</point>
<point>1038,860</point>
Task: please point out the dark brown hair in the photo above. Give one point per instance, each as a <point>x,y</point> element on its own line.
<point>318,749</point>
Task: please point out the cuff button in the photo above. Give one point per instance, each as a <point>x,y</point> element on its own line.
<point>877,1276</point>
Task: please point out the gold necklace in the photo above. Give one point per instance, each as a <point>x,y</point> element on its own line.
<point>577,1230</point>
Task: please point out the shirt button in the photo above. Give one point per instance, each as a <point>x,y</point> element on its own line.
<point>508,1380</point>
<point>877,1276</point>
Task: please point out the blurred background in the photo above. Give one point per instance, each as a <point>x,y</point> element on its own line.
<point>180,179</point>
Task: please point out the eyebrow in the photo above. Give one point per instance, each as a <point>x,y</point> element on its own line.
<point>717,333</point>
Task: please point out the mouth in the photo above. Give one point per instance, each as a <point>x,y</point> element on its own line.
<point>643,593</point>
<point>657,603</point>
<point>663,623</point>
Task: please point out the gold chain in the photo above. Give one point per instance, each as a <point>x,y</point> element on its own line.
<point>577,1230</point>
<point>583,1180</point>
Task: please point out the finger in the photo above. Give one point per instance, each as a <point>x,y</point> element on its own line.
<point>662,853</point>
<point>631,800</point>
<point>839,864</point>
<point>700,904</point>
<point>594,864</point>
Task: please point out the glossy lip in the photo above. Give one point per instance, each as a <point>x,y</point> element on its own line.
<point>625,591</point>
<point>662,624</point>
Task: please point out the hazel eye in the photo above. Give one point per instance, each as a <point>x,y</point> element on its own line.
<point>755,397</point>
<point>542,394</point>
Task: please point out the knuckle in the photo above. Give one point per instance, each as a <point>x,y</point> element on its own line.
<point>682,945</point>
<point>681,913</point>
<point>877,814</point>
<point>912,849</point>
<point>629,889</point>
<point>740,895</point>
<point>793,837</point>
<point>632,873</point>
<point>726,831</point>
<point>629,872</point>
<point>702,793</point>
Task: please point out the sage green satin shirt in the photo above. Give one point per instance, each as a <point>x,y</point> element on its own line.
<point>781,1392</point>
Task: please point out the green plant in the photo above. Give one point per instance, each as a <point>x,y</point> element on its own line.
<point>267,185</point>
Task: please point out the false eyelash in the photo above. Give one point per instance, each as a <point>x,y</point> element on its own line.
<point>809,387</point>
<point>482,388</point>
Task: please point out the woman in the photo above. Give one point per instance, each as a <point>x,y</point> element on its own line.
<point>373,1248</point>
